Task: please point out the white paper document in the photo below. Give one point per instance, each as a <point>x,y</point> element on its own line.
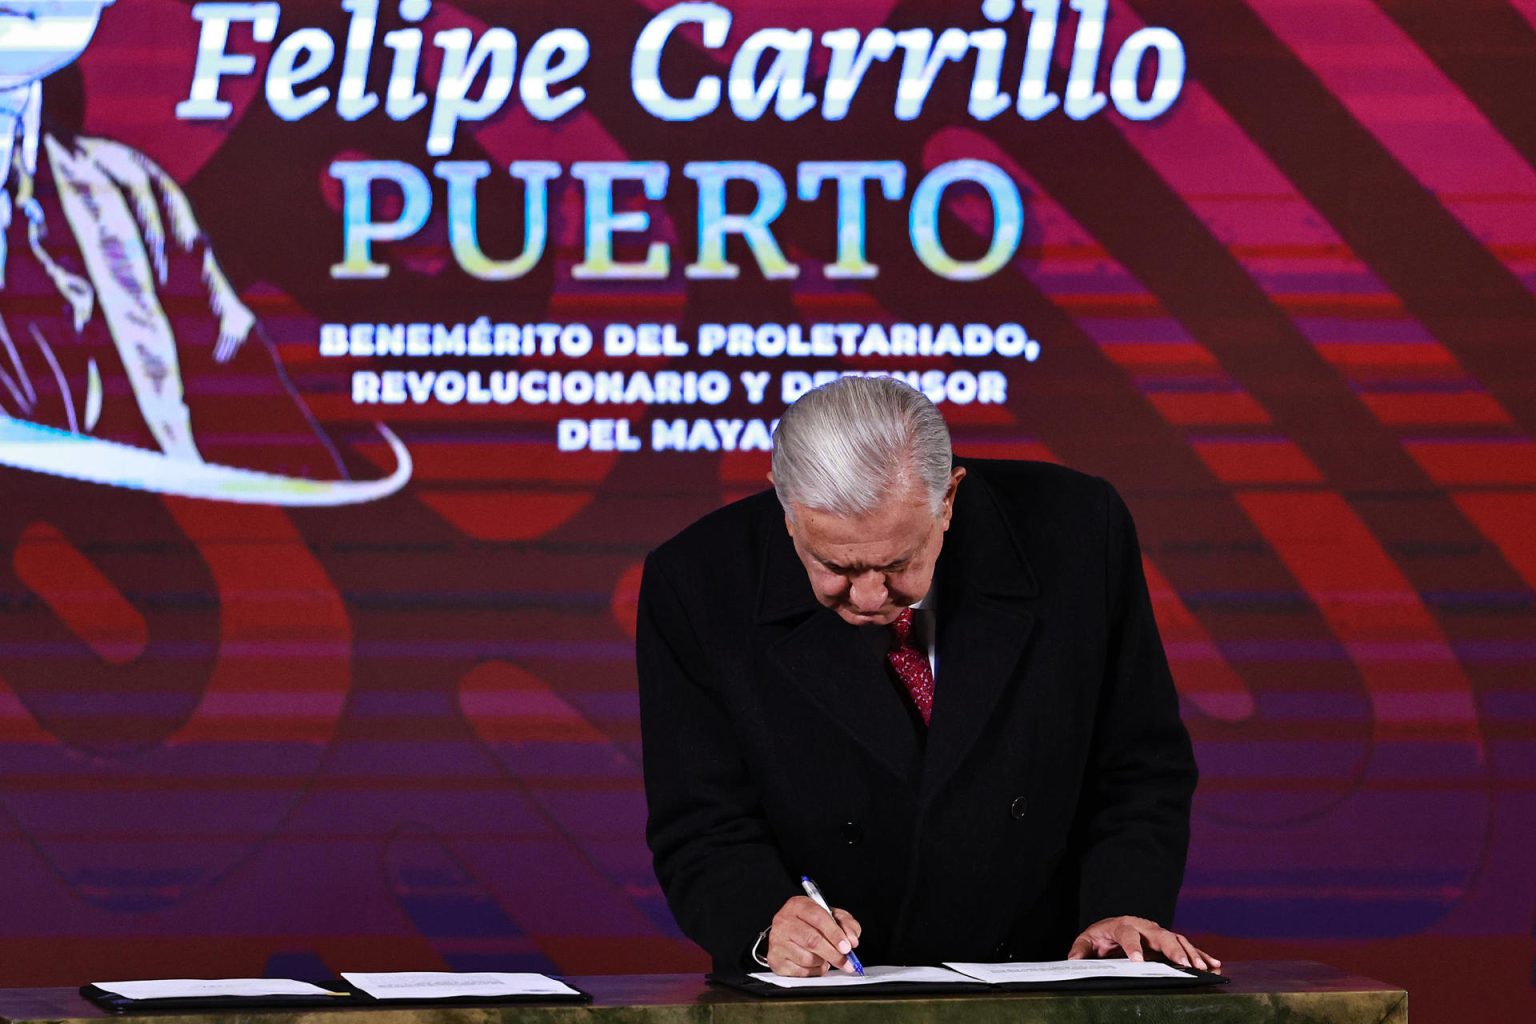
<point>1065,970</point>
<point>191,988</point>
<point>447,985</point>
<point>871,976</point>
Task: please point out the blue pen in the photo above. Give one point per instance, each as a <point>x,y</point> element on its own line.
<point>821,901</point>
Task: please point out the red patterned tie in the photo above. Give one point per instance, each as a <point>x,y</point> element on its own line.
<point>911,664</point>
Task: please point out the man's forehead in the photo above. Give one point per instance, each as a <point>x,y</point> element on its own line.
<point>871,555</point>
<point>889,536</point>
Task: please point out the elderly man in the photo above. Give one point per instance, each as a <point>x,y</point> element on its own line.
<point>935,688</point>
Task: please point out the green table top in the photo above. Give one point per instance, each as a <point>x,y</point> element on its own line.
<point>1295,992</point>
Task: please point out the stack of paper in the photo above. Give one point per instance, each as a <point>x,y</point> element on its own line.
<point>414,985</point>
<point>991,974</point>
<point>445,985</point>
<point>208,988</point>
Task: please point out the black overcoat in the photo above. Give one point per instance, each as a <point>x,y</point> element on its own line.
<point>1051,790</point>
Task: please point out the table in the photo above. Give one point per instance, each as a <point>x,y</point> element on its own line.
<point>1262,992</point>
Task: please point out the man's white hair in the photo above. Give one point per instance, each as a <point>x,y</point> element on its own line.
<point>844,447</point>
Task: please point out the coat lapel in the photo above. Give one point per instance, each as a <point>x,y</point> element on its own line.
<point>985,583</point>
<point>984,627</point>
<point>834,667</point>
<point>829,662</point>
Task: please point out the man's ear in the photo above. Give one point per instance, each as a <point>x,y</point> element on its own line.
<point>789,524</point>
<point>949,495</point>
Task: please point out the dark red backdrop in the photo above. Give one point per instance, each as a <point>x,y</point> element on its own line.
<point>1293,320</point>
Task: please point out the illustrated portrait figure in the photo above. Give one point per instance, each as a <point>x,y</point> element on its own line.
<point>116,321</point>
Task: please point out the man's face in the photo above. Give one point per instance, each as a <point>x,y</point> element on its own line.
<point>868,568</point>
<point>37,37</point>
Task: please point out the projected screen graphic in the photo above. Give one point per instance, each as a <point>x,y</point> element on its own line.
<point>354,353</point>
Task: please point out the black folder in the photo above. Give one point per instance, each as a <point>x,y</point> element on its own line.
<point>345,997</point>
<point>578,996</point>
<point>115,1003</point>
<point>1192,979</point>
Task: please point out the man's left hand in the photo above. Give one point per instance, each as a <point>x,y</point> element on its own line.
<point>1131,937</point>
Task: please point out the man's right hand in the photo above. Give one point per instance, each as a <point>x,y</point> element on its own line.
<point>805,940</point>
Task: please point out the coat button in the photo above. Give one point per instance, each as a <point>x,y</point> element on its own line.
<point>853,833</point>
<point>1018,808</point>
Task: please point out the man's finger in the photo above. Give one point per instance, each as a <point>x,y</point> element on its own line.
<point>1197,957</point>
<point>1128,937</point>
<point>827,927</point>
<point>1212,964</point>
<point>849,924</point>
<point>783,962</point>
<point>1166,944</point>
<point>802,957</point>
<point>800,953</point>
<point>1080,948</point>
<point>1172,946</point>
<point>791,956</point>
<point>1192,957</point>
<point>808,937</point>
